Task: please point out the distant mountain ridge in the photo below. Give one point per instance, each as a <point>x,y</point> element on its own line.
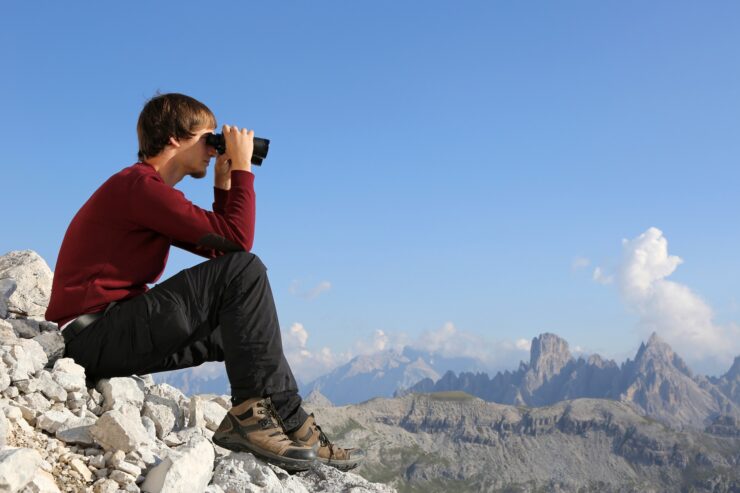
<point>657,382</point>
<point>382,374</point>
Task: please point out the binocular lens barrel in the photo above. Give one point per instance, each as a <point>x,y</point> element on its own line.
<point>261,147</point>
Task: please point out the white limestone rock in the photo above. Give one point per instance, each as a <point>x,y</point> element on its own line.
<point>42,482</point>
<point>52,420</point>
<point>4,427</point>
<point>50,388</point>
<point>121,392</point>
<point>187,468</point>
<point>163,412</point>
<point>34,350</point>
<point>115,430</point>
<point>326,479</point>
<point>205,413</point>
<point>242,472</point>
<point>17,467</point>
<point>32,277</point>
<point>7,287</point>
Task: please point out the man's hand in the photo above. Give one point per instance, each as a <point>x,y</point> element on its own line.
<point>223,172</point>
<point>239,147</point>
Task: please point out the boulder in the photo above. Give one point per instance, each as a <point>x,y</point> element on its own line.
<point>115,430</point>
<point>32,278</point>
<point>18,467</point>
<point>186,469</point>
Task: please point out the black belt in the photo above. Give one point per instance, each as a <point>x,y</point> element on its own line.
<point>82,322</point>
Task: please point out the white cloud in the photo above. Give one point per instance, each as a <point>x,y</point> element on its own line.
<point>602,278</point>
<point>451,342</point>
<point>310,294</point>
<point>580,263</point>
<point>379,341</point>
<point>671,309</point>
<point>305,363</point>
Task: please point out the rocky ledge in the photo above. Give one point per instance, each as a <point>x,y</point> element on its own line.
<point>122,435</point>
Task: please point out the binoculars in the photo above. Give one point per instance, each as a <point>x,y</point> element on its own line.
<point>261,146</point>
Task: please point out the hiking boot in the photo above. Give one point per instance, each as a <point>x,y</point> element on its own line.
<point>310,434</point>
<point>254,426</point>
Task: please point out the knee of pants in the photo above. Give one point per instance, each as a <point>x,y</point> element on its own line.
<point>251,262</point>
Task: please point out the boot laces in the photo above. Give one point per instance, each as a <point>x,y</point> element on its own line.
<point>271,413</point>
<point>324,440</point>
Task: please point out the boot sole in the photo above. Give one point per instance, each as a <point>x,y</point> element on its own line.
<point>290,465</point>
<point>342,465</point>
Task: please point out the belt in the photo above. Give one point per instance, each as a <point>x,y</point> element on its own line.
<point>82,322</point>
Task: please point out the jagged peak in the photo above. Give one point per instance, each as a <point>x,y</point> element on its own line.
<point>734,371</point>
<point>548,354</point>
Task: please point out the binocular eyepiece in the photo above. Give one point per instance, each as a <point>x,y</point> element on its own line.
<point>261,147</point>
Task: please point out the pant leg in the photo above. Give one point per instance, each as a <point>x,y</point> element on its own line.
<point>219,310</point>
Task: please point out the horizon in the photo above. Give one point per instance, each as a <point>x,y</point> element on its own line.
<point>462,179</point>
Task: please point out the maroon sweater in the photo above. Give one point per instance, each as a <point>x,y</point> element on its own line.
<point>119,241</point>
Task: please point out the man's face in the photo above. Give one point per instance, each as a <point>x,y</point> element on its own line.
<point>194,154</point>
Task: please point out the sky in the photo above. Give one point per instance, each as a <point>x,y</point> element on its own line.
<point>453,175</point>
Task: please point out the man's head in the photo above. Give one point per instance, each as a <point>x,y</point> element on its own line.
<point>170,115</point>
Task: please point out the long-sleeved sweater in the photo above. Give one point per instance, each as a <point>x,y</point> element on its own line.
<point>119,241</point>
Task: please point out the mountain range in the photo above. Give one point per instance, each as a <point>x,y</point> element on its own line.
<point>658,383</point>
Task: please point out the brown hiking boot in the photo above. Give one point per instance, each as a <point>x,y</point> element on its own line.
<point>310,434</point>
<point>254,426</point>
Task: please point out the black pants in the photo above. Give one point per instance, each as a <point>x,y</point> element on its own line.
<point>219,310</point>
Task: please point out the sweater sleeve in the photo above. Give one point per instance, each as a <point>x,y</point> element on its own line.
<point>157,206</point>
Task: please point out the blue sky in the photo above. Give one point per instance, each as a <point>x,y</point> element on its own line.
<point>432,162</point>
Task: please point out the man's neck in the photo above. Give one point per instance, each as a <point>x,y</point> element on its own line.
<point>165,165</point>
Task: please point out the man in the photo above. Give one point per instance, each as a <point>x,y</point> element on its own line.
<point>219,310</point>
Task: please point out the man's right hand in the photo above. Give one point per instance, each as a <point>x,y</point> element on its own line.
<point>239,147</point>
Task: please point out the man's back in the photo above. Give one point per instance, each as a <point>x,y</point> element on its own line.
<point>119,240</point>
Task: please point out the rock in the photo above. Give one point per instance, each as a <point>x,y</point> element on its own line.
<point>81,468</point>
<point>24,327</point>
<point>4,427</point>
<point>77,431</point>
<point>149,426</point>
<point>326,479</point>
<point>52,343</point>
<point>186,469</point>
<point>37,402</point>
<point>121,392</point>
<point>163,412</point>
<point>4,378</point>
<point>50,388</point>
<point>240,472</point>
<point>8,337</point>
<point>52,420</point>
<point>17,467</point>
<point>205,413</point>
<point>115,430</point>
<point>35,352</point>
<point>42,482</point>
<point>32,278</point>
<point>7,287</point>
<point>105,486</point>
<point>20,364</point>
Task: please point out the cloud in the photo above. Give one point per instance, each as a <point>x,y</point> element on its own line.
<point>679,316</point>
<point>600,277</point>
<point>451,342</point>
<point>309,294</point>
<point>304,362</point>
<point>580,263</point>
<point>380,341</point>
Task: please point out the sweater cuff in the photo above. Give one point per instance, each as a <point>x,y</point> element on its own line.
<point>242,179</point>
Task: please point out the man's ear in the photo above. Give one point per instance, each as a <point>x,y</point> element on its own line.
<point>174,142</point>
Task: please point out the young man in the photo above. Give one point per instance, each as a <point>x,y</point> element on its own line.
<point>219,310</point>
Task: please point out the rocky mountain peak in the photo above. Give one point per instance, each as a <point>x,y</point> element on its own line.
<point>734,372</point>
<point>548,355</point>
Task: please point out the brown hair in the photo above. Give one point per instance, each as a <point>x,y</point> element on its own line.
<point>170,115</point>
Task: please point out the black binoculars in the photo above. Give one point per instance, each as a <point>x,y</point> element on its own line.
<point>261,146</point>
